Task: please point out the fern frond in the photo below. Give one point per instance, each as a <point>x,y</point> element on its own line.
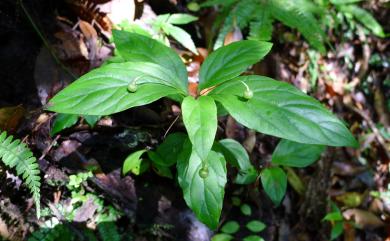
<point>15,154</point>
<point>108,231</point>
<point>364,17</point>
<point>58,233</point>
<point>239,16</point>
<point>296,16</point>
<point>261,27</point>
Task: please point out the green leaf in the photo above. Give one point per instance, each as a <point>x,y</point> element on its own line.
<point>235,154</point>
<point>230,61</point>
<point>281,110</point>
<point>181,18</point>
<point>162,170</point>
<point>333,216</point>
<point>253,238</point>
<point>134,28</point>
<point>245,177</point>
<point>167,152</point>
<point>103,91</point>
<point>236,201</point>
<point>181,36</point>
<point>274,182</point>
<point>200,120</point>
<point>255,226</point>
<point>364,17</point>
<point>246,209</point>
<point>294,154</point>
<point>63,121</point>
<point>133,163</point>
<point>222,237</point>
<point>203,195</point>
<point>230,227</point>
<point>92,119</point>
<point>337,230</point>
<point>137,48</point>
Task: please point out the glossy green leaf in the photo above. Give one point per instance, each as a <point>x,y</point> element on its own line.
<point>253,238</point>
<point>246,209</point>
<point>333,216</point>
<point>200,120</point>
<point>230,227</point>
<point>167,152</point>
<point>230,61</point>
<point>274,182</point>
<point>203,195</point>
<point>245,177</point>
<point>337,230</point>
<point>137,48</point>
<point>235,154</point>
<point>255,226</point>
<point>222,237</point>
<point>133,163</point>
<point>92,119</point>
<point>181,36</point>
<point>281,110</point>
<point>364,17</point>
<point>103,91</point>
<point>63,121</point>
<point>181,18</point>
<point>134,28</point>
<point>294,154</point>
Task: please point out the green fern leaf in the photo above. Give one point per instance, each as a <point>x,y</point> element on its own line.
<point>261,27</point>
<point>296,16</point>
<point>364,18</point>
<point>15,154</point>
<point>58,233</point>
<point>239,16</point>
<point>108,231</point>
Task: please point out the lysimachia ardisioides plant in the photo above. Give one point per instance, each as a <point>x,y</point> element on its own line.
<point>152,70</point>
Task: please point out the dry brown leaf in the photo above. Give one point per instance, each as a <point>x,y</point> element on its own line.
<point>10,117</point>
<point>363,219</point>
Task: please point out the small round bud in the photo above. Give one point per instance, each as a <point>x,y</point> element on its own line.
<point>193,6</point>
<point>132,87</point>
<point>248,94</point>
<point>204,172</point>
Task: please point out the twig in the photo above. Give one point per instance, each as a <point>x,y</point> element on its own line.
<point>371,124</point>
<point>170,126</point>
<point>49,148</point>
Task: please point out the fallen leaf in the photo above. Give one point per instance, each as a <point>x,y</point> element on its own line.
<point>10,117</point>
<point>363,219</point>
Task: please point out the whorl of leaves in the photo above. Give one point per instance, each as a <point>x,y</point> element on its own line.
<point>16,154</point>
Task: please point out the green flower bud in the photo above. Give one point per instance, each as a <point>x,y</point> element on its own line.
<point>204,172</point>
<point>132,87</point>
<point>193,6</point>
<point>248,94</point>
